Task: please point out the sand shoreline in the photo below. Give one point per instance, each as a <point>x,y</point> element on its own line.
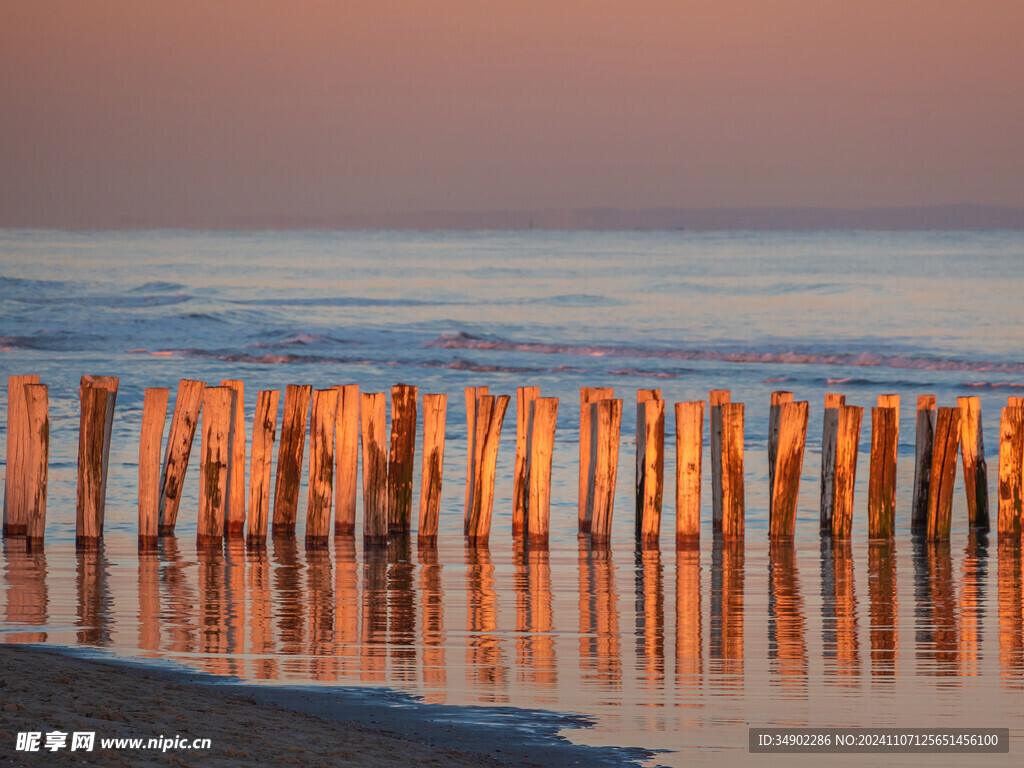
<point>43,688</point>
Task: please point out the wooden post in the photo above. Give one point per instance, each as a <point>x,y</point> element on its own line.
<point>215,457</point>
<point>346,456</point>
<point>289,458</point>
<point>489,417</point>
<point>373,415</point>
<point>882,477</point>
<point>689,450</point>
<point>401,457</point>
<point>650,464</point>
<point>542,444</point>
<point>830,425</point>
<point>234,521</point>
<point>943,473</point>
<point>264,433</point>
<point>110,385</point>
<point>1011,455</point>
<point>922,461</point>
<point>435,409</point>
<point>37,412</point>
<point>791,436</point>
<point>972,449</point>
<point>321,467</point>
<point>184,421</point>
<point>154,416</point>
<point>605,426</point>
<point>525,396</point>
<point>732,471</point>
<point>777,399</point>
<point>588,395</point>
<point>847,439</point>
<point>92,425</point>
<point>473,395</point>
<point>717,398</point>
<point>15,488</point>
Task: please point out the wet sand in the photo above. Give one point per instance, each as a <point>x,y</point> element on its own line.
<point>42,690</point>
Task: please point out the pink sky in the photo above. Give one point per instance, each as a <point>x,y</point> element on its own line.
<point>187,112</point>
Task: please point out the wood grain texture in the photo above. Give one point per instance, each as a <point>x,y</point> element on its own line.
<point>234,520</point>
<point>346,459</point>
<point>373,417</point>
<point>154,418</point>
<point>92,425</point>
<point>525,396</point>
<point>882,477</point>
<point>473,395</point>
<point>605,431</point>
<point>215,462</point>
<point>776,400</point>
<point>111,385</point>
<point>847,440</point>
<point>588,395</point>
<point>1011,455</point>
<point>789,456</point>
<point>689,452</point>
<point>542,444</point>
<point>829,427</point>
<point>435,409</point>
<point>401,456</point>
<point>972,450</point>
<point>290,452</point>
<point>37,412</point>
<point>264,434</point>
<point>716,399</point>
<point>925,436</point>
<point>946,444</point>
<point>184,421</point>
<point>732,472</point>
<point>489,418</point>
<point>650,465</point>
<point>15,487</point>
<point>320,496</point>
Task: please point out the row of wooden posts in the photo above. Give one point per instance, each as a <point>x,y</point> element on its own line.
<point>338,417</point>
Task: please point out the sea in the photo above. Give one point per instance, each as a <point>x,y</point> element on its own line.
<point>679,653</point>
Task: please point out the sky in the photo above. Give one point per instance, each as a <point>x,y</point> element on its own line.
<point>127,112</point>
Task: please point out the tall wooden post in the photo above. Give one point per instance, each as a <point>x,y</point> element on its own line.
<point>346,456</point>
<point>847,439</point>
<point>1011,456</point>
<point>791,436</point>
<point>218,425</point>
<point>605,426</point>
<point>37,412</point>
<point>289,458</point>
<point>588,395</point>
<point>732,471</point>
<point>972,449</point>
<point>830,426</point>
<point>321,467</point>
<point>525,396</point>
<point>373,415</point>
<point>689,451</point>
<point>943,473</point>
<point>401,457</point>
<point>542,443</point>
<point>650,465</point>
<point>777,399</point>
<point>717,398</point>
<point>15,488</point>
<point>434,415</point>
<point>882,477</point>
<point>264,433</point>
<point>92,426</point>
<point>184,421</point>
<point>154,416</point>
<point>110,385</point>
<point>923,462</point>
<point>473,395</point>
<point>489,417</point>
<point>234,520</point>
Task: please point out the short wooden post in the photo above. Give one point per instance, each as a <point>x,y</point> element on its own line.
<point>847,440</point>
<point>489,417</point>
<point>650,464</point>
<point>689,450</point>
<point>289,458</point>
<point>92,425</point>
<point>264,433</point>
<point>215,452</point>
<point>346,457</point>
<point>542,444</point>
<point>184,421</point>
<point>234,521</point>
<point>943,473</point>
<point>732,471</point>
<point>525,396</point>
<point>882,477</point>
<point>972,449</point>
<point>923,462</point>
<point>605,425</point>
<point>717,398</point>
<point>373,416</point>
<point>1011,455</point>
<point>154,416</point>
<point>110,385</point>
<point>435,409</point>
<point>791,436</point>
<point>321,467</point>
<point>473,395</point>
<point>15,488</point>
<point>777,399</point>
<point>830,425</point>
<point>588,395</point>
<point>37,412</point>
<point>401,457</point>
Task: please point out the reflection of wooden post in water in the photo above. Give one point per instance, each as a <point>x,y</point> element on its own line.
<point>650,464</point>
<point>1011,454</point>
<point>218,428</point>
<point>732,471</point>
<point>650,617</point>
<point>401,610</point>
<point>938,639</point>
<point>972,450</point>
<point>27,599</point>
<point>689,625</point>
<point>234,515</point>
<point>401,457</point>
<point>787,646</point>
<point>15,488</point>
<point>321,467</point>
<point>485,665</point>
<point>883,608</point>
<point>374,630</point>
<point>717,398</point>
<point>321,602</point>
<point>213,606</point>
<point>542,444</point>
<point>536,663</point>
<point>600,652</point>
<point>433,661</point>
<point>521,477</point>
<point>184,421</point>
<point>346,457</point>
<point>435,409</point>
<point>882,478</point>
<point>840,647</point>
<point>179,598</point>
<point>489,416</point>
<point>1011,616</point>
<point>154,415</point>
<point>234,604</point>
<point>726,649</point>
<point>945,445</point>
<point>847,440</point>
<point>689,450</point>
<point>923,461</point>
<point>974,576</point>
<point>264,432</point>
<point>589,395</point>
<point>93,606</point>
<point>149,601</point>
<point>89,518</point>
<point>473,447</point>
<point>375,469</point>
<point>260,648</point>
<point>289,458</point>
<point>790,427</point>
<point>774,414</point>
<point>346,607</point>
<point>290,597</point>
<point>829,431</point>
<point>605,426</point>
<point>37,408</point>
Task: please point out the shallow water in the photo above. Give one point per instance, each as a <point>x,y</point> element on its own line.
<point>679,651</point>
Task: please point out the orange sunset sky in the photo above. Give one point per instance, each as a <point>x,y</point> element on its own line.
<point>189,113</point>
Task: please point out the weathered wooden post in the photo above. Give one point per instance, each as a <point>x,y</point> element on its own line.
<point>717,398</point>
<point>401,457</point>
<point>110,385</point>
<point>489,417</point>
<point>92,426</point>
<point>923,462</point>
<point>373,415</point>
<point>184,421</point>
<point>777,399</point>
<point>289,458</point>
<point>689,450</point>
<point>264,433</point>
<point>588,395</point>
<point>525,397</point>
<point>37,412</point>
<point>542,444</point>
<point>473,395</point>
<point>829,428</point>
<point>732,471</point>
<point>218,425</point>
<point>847,439</point>
<point>790,425</point>
<point>234,520</point>
<point>650,464</point>
<point>972,449</point>
<point>15,488</point>
<point>346,456</point>
<point>943,473</point>
<point>321,467</point>
<point>154,416</point>
<point>882,477</point>
<point>1011,455</point>
<point>605,425</point>
<point>435,409</point>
